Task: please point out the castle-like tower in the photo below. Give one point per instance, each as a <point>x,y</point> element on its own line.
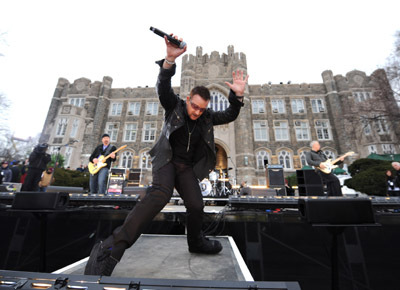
<point>276,125</point>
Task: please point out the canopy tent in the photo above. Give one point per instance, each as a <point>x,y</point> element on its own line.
<point>386,157</point>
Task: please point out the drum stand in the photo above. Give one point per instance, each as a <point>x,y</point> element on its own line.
<point>224,190</point>
<point>214,190</point>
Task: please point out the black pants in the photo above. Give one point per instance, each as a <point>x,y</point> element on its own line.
<point>332,184</point>
<point>31,182</point>
<point>172,175</point>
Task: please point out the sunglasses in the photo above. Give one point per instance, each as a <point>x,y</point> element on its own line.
<point>197,108</point>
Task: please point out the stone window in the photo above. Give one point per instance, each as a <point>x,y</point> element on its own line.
<point>362,96</point>
<point>61,126</point>
<point>278,106</point>
<point>145,160</point>
<point>298,106</point>
<point>388,149</point>
<point>323,130</point>
<point>303,159</point>
<point>78,102</point>
<point>381,126</point>
<point>262,156</point>
<point>149,131</point>
<point>133,109</point>
<point>68,154</point>
<point>329,154</point>
<point>130,132</point>
<point>218,101</point>
<point>285,159</point>
<point>74,129</point>
<point>258,106</point>
<point>366,125</point>
<point>372,149</point>
<point>126,159</point>
<point>317,105</point>
<point>260,130</point>
<point>152,108</point>
<point>281,131</point>
<point>112,130</point>
<point>302,130</point>
<point>115,109</point>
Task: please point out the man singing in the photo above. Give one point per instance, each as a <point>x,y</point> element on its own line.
<point>183,155</point>
<point>98,181</point>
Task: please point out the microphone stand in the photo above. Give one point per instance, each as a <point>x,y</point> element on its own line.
<point>235,170</point>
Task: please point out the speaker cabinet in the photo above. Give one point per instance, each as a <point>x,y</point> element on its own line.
<point>337,211</point>
<point>309,183</point>
<point>275,176</point>
<point>40,200</point>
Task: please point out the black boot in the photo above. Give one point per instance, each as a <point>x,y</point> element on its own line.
<point>100,261</point>
<point>205,246</point>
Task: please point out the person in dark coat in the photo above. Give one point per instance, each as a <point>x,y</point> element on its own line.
<point>183,155</point>
<point>5,172</point>
<point>98,181</point>
<point>38,160</point>
<point>15,171</point>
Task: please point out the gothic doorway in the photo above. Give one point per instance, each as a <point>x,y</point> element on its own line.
<point>221,165</point>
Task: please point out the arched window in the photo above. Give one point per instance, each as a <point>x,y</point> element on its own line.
<point>262,159</point>
<point>303,159</point>
<point>329,154</point>
<point>218,101</point>
<point>145,160</point>
<point>285,159</point>
<point>126,159</point>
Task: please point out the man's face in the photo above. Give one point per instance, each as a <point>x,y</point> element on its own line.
<point>4,165</point>
<point>316,146</point>
<point>106,141</point>
<point>195,106</point>
<point>396,166</point>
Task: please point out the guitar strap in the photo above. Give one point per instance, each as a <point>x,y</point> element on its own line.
<point>108,150</point>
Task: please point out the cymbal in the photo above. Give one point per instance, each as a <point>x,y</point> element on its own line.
<point>223,179</point>
<point>230,168</point>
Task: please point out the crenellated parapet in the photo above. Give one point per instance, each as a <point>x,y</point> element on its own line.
<point>203,69</point>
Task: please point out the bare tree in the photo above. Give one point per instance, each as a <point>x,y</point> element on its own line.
<point>392,67</point>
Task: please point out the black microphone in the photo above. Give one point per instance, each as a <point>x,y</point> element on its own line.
<point>180,44</point>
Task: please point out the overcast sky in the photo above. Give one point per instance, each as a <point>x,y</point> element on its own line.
<point>283,40</point>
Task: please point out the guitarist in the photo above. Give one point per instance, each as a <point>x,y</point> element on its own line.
<point>98,181</point>
<point>315,158</point>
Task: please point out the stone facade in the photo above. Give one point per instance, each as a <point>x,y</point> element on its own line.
<point>276,124</point>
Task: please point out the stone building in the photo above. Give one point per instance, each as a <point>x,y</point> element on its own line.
<point>345,113</point>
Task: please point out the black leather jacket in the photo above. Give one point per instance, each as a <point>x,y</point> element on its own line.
<point>175,108</point>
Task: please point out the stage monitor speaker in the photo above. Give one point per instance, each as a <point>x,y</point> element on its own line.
<point>275,176</point>
<point>337,211</point>
<point>135,190</point>
<point>40,200</point>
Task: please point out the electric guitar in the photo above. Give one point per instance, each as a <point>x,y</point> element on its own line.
<point>330,165</point>
<point>94,168</point>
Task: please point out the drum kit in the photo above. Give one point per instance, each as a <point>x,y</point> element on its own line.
<point>217,185</point>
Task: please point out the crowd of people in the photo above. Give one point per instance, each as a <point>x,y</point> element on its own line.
<point>34,173</point>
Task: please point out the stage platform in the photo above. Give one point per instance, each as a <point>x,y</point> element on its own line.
<point>167,257</point>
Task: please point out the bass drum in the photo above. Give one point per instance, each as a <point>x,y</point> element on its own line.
<point>205,187</point>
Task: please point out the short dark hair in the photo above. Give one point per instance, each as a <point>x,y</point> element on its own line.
<point>202,91</point>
